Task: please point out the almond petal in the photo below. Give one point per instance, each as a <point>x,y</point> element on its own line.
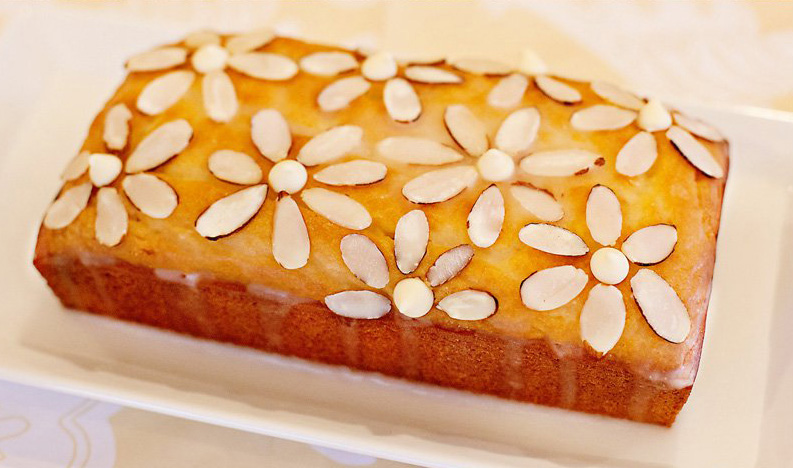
<point>518,131</point>
<point>220,98</point>
<point>557,90</point>
<point>486,218</point>
<point>466,130</point>
<point>249,41</point>
<point>560,163</point>
<point>103,168</point>
<point>328,63</point>
<point>410,240</point>
<point>341,93</point>
<point>479,66</point>
<point>603,215</point>
<point>654,117</point>
<point>76,167</point>
<point>431,75</point>
<point>111,217</point>
<point>163,92</point>
<point>358,304</point>
<point>231,212</point>
<point>357,172</point>
<point>508,92</point>
<point>439,185</point>
<point>413,298</point>
<point>638,155</point>
<point>650,245</point>
<point>552,288</point>
<point>364,260</point>
<point>68,206</point>
<point>157,59</point>
<point>271,135</point>
<point>197,39</point>
<point>264,66</point>
<point>553,239</point>
<point>617,95</point>
<point>337,208</point>
<point>151,195</point>
<point>695,152</point>
<point>331,145</point>
<point>291,245</point>
<point>234,167</point>
<point>165,142</point>
<point>469,304</point>
<point>116,130</point>
<point>538,202</point>
<point>415,150</point>
<point>698,128</point>
<point>401,100</point>
<point>661,306</point>
<point>602,117</point>
<point>379,66</point>
<point>603,318</point>
<point>449,264</point>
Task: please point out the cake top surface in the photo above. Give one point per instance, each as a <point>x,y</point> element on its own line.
<point>459,192</point>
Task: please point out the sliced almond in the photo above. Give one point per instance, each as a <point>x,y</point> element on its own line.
<point>234,167</point>
<point>231,212</point>
<point>209,58</point>
<point>331,145</point>
<point>638,155</point>
<point>654,117</point>
<point>609,265</point>
<point>602,117</point>
<point>486,218</point>
<point>341,93</point>
<point>557,90</point>
<point>165,142</point>
<point>291,246</point>
<point>479,66</point>
<point>416,150</point>
<point>603,215</point>
<point>602,318</point>
<point>698,127</point>
<point>431,75</point>
<point>508,92</point>
<point>518,131</point>
<point>695,152</point>
<point>469,304</point>
<point>220,98</point>
<point>116,129</point>
<point>379,66</point>
<point>650,245</point>
<point>411,236</point>
<point>553,240</point>
<point>364,260</point>
<point>337,208</point>
<point>616,95</point>
<point>413,298</point>
<point>111,221</point>
<point>401,100</point>
<point>264,66</point>
<point>157,59</point>
<point>328,63</point>
<point>150,194</point>
<point>163,92</point>
<point>661,306</point>
<point>495,165</point>
<point>358,304</point>
<point>466,129</point>
<point>103,168</point>
<point>287,176</point>
<point>439,185</point>
<point>76,167</point>
<point>538,202</point>
<point>249,41</point>
<point>197,39</point>
<point>560,163</point>
<point>531,63</point>
<point>357,172</point>
<point>449,264</point>
<point>68,206</point>
<point>271,135</point>
<point>552,288</point>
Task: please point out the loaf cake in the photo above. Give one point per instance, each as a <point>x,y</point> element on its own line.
<point>457,221</point>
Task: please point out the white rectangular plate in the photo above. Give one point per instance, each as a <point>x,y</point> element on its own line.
<point>737,412</point>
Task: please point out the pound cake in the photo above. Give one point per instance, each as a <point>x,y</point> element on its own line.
<point>454,221</point>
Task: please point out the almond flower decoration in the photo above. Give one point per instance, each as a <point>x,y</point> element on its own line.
<point>287,177</point>
<point>603,315</point>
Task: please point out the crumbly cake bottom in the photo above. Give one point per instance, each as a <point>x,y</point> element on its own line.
<point>265,319</point>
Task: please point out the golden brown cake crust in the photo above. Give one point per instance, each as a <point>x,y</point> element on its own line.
<point>518,353</point>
